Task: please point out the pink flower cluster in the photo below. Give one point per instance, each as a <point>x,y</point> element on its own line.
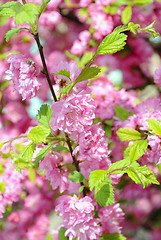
<point>23,72</point>
<point>13,186</point>
<point>78,217</point>
<point>54,172</point>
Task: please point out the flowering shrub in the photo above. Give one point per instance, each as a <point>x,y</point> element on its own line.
<point>91,153</point>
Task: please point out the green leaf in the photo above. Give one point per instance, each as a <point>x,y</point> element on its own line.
<point>2,187</point>
<point>76,177</point>
<point>87,73</point>
<point>38,134</point>
<point>135,150</point>
<point>44,115</point>
<point>61,234</point>
<point>1,144</point>
<point>81,188</point>
<point>133,27</point>
<point>28,151</point>
<point>142,175</point>
<point>113,236</point>
<point>31,174</point>
<point>27,14</point>
<point>96,178</point>
<point>42,7</point>
<point>60,148</point>
<point>119,165</point>
<point>42,154</point>
<point>142,2</point>
<point>63,72</point>
<point>112,43</point>
<point>10,9</point>
<point>150,29</point>
<point>128,134</point>
<point>85,59</point>
<point>104,194</point>
<point>155,126</point>
<point>126,14</point>
<point>11,32</point>
<point>121,113</point>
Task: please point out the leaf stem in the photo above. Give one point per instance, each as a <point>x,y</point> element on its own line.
<point>24,1</point>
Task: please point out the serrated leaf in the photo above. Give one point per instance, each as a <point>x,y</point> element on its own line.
<point>60,148</point>
<point>155,126</point>
<point>10,9</point>
<point>121,113</point>
<point>42,154</point>
<point>88,73</point>
<point>44,115</point>
<point>128,134</point>
<point>11,32</point>
<point>135,150</point>
<point>104,194</point>
<point>96,178</point>
<point>38,134</point>
<point>142,175</point>
<point>118,165</point>
<point>76,177</point>
<point>63,72</point>
<point>28,151</point>
<point>112,43</point>
<point>42,7</point>
<point>61,234</point>
<point>126,14</point>
<point>27,14</point>
<point>113,236</point>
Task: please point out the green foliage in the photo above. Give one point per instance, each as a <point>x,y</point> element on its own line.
<point>142,2</point>
<point>76,177</point>
<point>31,174</point>
<point>87,73</point>
<point>60,148</point>
<point>133,27</point>
<point>121,113</point>
<point>11,32</point>
<point>2,187</point>
<point>44,115</point>
<point>155,126</point>
<point>150,29</point>
<point>96,178</point>
<point>128,134</point>
<point>42,154</point>
<point>85,59</point>
<point>22,13</point>
<point>38,134</point>
<point>113,236</point>
<point>112,43</point>
<point>119,165</point>
<point>126,15</point>
<point>142,175</point>
<point>61,234</point>
<point>63,72</point>
<point>42,7</point>
<point>28,151</point>
<point>135,150</point>
<point>104,193</point>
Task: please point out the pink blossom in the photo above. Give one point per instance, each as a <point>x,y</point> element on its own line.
<point>111,217</point>
<point>154,154</point>
<point>71,67</point>
<point>73,113</point>
<point>78,47</point>
<point>92,145</point>
<point>157,76</point>
<point>54,172</point>
<point>23,73</point>
<point>78,217</point>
